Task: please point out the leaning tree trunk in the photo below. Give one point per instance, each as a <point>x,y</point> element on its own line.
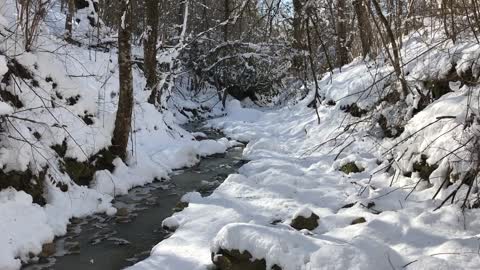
<point>150,47</point>
<point>123,119</point>
<point>341,48</point>
<point>395,50</point>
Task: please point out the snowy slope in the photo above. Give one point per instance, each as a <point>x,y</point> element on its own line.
<point>295,164</point>
<point>69,99</point>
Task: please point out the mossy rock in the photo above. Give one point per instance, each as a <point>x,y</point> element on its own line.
<point>180,206</point>
<point>236,260</point>
<point>358,221</point>
<point>25,181</point>
<point>48,250</point>
<point>351,167</point>
<point>354,110</point>
<point>82,172</point>
<point>423,168</point>
<point>305,223</point>
<point>392,97</point>
<point>438,88</point>
<point>60,149</point>
<point>389,131</point>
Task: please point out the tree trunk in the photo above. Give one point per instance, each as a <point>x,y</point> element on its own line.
<point>364,27</point>
<point>226,15</point>
<point>123,119</point>
<point>297,33</point>
<point>396,54</point>
<point>69,19</point>
<point>150,46</point>
<point>341,49</point>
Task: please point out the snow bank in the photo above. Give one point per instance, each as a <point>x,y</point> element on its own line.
<point>368,220</point>
<point>291,250</point>
<point>72,96</point>
<point>24,227</point>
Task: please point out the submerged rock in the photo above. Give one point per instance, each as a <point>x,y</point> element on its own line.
<point>122,212</point>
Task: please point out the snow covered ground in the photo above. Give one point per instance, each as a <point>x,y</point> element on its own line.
<point>372,219</point>
<point>70,93</point>
<point>252,210</point>
<point>294,167</point>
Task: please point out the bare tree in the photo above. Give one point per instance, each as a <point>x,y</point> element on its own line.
<point>150,44</point>
<point>364,27</point>
<point>123,118</point>
<point>395,59</point>
<point>341,48</point>
<point>69,19</point>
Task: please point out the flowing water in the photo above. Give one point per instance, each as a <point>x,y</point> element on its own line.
<point>102,242</point>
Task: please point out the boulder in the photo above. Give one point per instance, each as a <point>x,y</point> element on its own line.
<point>305,219</point>
<point>48,250</point>
<point>180,206</point>
<point>358,221</point>
<point>236,260</point>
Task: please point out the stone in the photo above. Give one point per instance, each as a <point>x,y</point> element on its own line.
<point>122,212</point>
<point>351,167</point>
<point>48,250</point>
<point>301,223</point>
<point>180,206</point>
<point>358,221</point>
<point>236,260</point>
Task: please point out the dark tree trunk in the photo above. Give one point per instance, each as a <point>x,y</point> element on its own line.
<point>123,118</point>
<point>364,26</point>
<point>341,49</point>
<point>298,33</point>
<point>396,54</point>
<point>69,19</point>
<point>150,47</point>
<point>226,15</point>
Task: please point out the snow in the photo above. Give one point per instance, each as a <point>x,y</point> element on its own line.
<point>3,65</point>
<point>24,227</point>
<point>79,85</point>
<point>5,109</point>
<point>292,250</point>
<point>294,171</point>
<point>303,212</point>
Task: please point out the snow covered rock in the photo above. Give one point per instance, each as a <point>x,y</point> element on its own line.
<point>305,219</point>
<point>238,246</point>
<point>236,260</point>
<point>171,223</point>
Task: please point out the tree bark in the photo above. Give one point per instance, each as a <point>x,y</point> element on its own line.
<point>123,118</point>
<point>150,46</point>
<point>364,27</point>
<point>298,33</point>
<point>341,49</point>
<point>297,24</point>
<point>226,17</point>
<point>396,54</point>
<point>69,19</point>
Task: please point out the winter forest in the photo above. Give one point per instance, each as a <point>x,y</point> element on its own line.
<point>240,134</point>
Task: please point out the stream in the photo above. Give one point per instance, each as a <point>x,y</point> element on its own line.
<point>102,242</point>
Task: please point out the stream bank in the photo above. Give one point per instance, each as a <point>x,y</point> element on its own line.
<point>104,242</point>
